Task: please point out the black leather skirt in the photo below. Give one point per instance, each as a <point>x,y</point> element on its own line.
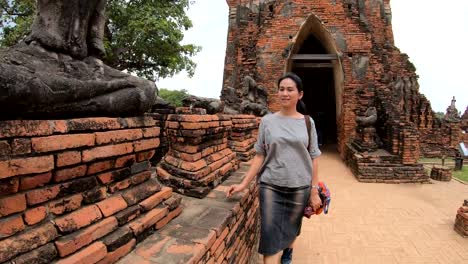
<point>281,212</point>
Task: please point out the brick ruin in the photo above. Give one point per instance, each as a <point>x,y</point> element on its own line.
<point>345,53</point>
<point>461,220</point>
<point>79,188</point>
<point>441,173</point>
<point>198,158</point>
<point>92,189</point>
<point>464,126</point>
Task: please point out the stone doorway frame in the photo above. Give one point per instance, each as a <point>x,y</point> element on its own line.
<point>313,25</point>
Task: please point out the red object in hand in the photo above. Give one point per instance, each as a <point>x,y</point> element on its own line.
<point>324,194</point>
<point>308,211</point>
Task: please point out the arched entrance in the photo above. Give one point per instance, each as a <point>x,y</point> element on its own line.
<point>314,57</point>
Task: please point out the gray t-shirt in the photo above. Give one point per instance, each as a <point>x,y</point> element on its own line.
<point>283,142</point>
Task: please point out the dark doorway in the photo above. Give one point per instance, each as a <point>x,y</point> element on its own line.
<point>319,90</point>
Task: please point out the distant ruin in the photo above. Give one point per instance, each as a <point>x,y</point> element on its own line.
<point>345,53</point>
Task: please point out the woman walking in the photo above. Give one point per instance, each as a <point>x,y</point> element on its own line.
<point>287,171</point>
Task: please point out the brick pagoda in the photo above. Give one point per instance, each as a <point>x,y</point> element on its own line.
<point>345,53</point>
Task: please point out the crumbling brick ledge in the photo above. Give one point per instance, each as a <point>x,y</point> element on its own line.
<point>79,190</point>
<point>214,229</point>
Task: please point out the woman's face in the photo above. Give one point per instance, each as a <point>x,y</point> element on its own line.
<point>288,93</point>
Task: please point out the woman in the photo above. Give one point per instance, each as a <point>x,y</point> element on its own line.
<point>288,172</point>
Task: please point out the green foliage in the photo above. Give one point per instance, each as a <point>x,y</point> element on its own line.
<point>174,97</point>
<point>142,36</point>
<point>440,115</point>
<point>462,174</point>
<point>15,20</point>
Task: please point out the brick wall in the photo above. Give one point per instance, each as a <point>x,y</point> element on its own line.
<point>79,189</point>
<point>461,220</point>
<point>214,229</point>
<point>383,167</point>
<point>441,140</point>
<point>263,35</point>
<point>199,157</point>
<point>243,136</point>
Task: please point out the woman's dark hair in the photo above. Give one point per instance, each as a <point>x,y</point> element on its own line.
<point>296,79</point>
<point>300,106</point>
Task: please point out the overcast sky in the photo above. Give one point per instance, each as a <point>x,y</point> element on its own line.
<point>433,33</point>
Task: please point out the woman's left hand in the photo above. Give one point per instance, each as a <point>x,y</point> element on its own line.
<point>315,201</point>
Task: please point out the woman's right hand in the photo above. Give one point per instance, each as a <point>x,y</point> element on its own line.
<point>235,188</point>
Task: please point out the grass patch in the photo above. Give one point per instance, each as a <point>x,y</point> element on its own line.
<point>462,174</point>
<point>450,163</point>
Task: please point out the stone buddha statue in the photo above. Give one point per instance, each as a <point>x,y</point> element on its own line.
<point>57,72</point>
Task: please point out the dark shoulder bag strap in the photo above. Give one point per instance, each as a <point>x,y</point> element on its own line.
<point>309,128</point>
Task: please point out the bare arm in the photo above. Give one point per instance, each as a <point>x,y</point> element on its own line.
<point>257,162</point>
<point>315,178</point>
<point>314,199</point>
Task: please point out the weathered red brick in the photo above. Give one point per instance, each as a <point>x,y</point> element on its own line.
<point>146,144</point>
<point>27,241</point>
<point>5,148</point>
<point>41,195</point>
<point>156,198</point>
<point>12,204</point>
<point>140,121</point>
<point>118,136</point>
<point>38,180</point>
<point>118,238</point>
<point>115,175</point>
<point>35,215</point>
<point>88,255</point>
<point>133,180</point>
<point>128,214</point>
<point>25,128</point>
<point>173,202</point>
<point>11,225</point>
<point>73,242</point>
<point>44,254</point>
<point>21,166</point>
<point>196,251</point>
<point>172,125</point>
<point>70,173</point>
<point>121,185</point>
<point>125,161</point>
<point>106,151</point>
<point>78,219</point>
<point>65,205</point>
<point>94,123</point>
<point>190,157</point>
<point>193,166</point>
<point>162,173</point>
<point>151,132</point>
<point>172,160</point>
<point>147,155</point>
<point>143,222</point>
<point>94,195</point>
<point>171,215</point>
<point>100,166</point>
<point>68,158</point>
<point>60,126</point>
<point>9,186</point>
<point>21,146</point>
<point>140,192</point>
<point>60,142</point>
<point>219,241</point>
<point>190,125</point>
<point>140,177</point>
<point>117,254</point>
<point>112,205</point>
